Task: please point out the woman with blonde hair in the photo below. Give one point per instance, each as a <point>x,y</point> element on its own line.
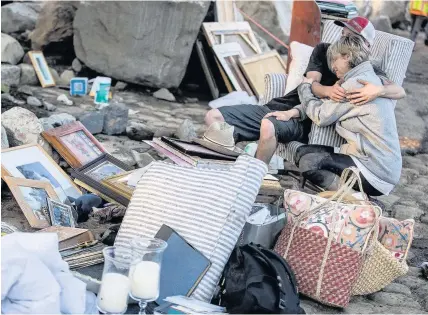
<point>370,130</point>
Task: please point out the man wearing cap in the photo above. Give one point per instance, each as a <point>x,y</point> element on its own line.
<point>278,120</point>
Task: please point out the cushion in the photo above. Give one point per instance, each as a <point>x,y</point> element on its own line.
<point>207,207</point>
<point>353,228</point>
<point>396,236</point>
<point>300,55</point>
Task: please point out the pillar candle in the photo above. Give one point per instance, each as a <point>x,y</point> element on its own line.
<point>113,295</point>
<point>145,280</point>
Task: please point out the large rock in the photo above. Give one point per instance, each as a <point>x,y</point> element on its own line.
<point>382,23</point>
<point>66,77</point>
<point>10,75</point>
<point>55,24</point>
<point>115,119</point>
<point>139,131</point>
<point>93,121</point>
<point>18,17</point>
<point>23,127</point>
<point>394,9</point>
<point>11,50</point>
<point>28,75</point>
<point>143,42</point>
<point>4,141</point>
<point>273,15</point>
<point>56,120</point>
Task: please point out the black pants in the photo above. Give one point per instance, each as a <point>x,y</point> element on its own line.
<point>320,165</point>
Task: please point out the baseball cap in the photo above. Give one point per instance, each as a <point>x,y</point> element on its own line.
<point>360,26</point>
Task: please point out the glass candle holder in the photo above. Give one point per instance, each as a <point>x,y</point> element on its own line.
<point>115,284</point>
<point>145,270</point>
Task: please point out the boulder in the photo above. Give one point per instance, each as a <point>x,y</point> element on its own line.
<point>66,77</point>
<point>143,42</point>
<point>272,15</point>
<point>164,94</point>
<point>115,119</point>
<point>4,141</point>
<point>382,23</point>
<point>56,120</point>
<point>93,121</point>
<point>10,75</point>
<point>55,24</point>
<point>394,9</point>
<point>76,65</point>
<point>138,131</point>
<point>23,127</point>
<point>18,17</point>
<point>11,50</point>
<point>34,101</point>
<point>186,131</point>
<point>28,75</point>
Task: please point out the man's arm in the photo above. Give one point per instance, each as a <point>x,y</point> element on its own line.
<point>335,92</point>
<point>370,91</point>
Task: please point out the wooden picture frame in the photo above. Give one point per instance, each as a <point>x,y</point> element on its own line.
<point>229,50</point>
<point>117,184</point>
<point>230,32</point>
<point>42,69</point>
<point>35,192</point>
<point>32,162</point>
<point>93,173</point>
<point>65,214</point>
<point>225,11</point>
<point>74,143</point>
<point>256,67</point>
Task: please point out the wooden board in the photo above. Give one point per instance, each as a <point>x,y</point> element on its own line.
<point>225,11</point>
<point>207,71</point>
<point>255,68</point>
<point>305,24</point>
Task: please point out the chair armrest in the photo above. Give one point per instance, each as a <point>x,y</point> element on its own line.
<point>274,87</point>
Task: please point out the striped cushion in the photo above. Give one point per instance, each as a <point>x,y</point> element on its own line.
<point>207,207</point>
<point>274,87</point>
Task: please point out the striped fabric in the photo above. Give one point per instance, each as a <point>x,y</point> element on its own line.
<point>274,87</point>
<point>207,207</point>
<point>389,52</point>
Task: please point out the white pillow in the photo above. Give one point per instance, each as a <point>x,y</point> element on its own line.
<point>300,55</point>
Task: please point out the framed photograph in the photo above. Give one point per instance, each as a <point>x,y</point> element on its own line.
<point>42,69</point>
<point>119,184</point>
<point>93,173</point>
<point>31,196</point>
<point>78,86</point>
<point>60,214</point>
<point>256,67</point>
<point>74,143</point>
<point>32,162</point>
<point>228,50</point>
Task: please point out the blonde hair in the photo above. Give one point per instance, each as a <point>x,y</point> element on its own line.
<point>353,46</point>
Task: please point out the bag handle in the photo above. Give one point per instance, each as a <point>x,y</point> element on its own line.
<point>281,296</point>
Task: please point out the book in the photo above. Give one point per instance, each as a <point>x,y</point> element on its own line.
<point>183,266</point>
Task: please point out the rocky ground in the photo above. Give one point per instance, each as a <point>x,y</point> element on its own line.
<point>408,294</point>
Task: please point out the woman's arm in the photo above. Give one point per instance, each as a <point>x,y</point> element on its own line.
<point>370,91</point>
<point>322,113</point>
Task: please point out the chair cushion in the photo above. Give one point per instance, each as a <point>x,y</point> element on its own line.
<point>208,207</point>
<point>300,55</point>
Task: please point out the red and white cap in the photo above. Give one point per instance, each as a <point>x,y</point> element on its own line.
<point>360,26</point>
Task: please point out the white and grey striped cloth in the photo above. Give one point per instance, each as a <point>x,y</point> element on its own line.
<point>207,207</point>
<point>389,52</point>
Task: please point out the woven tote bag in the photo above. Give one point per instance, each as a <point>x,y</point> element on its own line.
<point>324,241</point>
<point>207,207</point>
<point>379,267</point>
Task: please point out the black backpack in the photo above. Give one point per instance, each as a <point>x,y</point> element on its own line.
<point>259,281</point>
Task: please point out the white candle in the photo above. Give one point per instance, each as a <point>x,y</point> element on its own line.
<point>113,295</point>
<point>145,280</point>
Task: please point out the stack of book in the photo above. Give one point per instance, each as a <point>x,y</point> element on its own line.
<point>338,8</point>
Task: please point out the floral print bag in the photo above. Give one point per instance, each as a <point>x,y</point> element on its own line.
<point>325,240</point>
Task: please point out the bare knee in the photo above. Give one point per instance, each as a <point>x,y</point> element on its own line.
<point>213,115</point>
<point>267,130</point>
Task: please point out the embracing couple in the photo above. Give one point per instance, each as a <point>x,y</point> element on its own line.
<point>340,87</point>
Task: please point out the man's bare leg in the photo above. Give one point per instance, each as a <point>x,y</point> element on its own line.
<point>267,142</point>
<point>214,115</point>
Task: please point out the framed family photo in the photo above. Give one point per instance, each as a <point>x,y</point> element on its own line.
<point>32,162</point>
<point>93,174</point>
<point>119,184</point>
<point>60,214</point>
<point>32,196</point>
<point>74,143</point>
<point>42,69</point>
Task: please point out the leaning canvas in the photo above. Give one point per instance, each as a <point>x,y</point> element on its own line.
<point>208,207</point>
